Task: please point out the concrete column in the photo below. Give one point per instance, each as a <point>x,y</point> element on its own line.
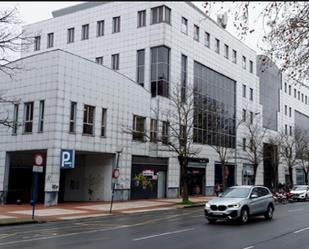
<point>4,175</point>
<point>52,176</point>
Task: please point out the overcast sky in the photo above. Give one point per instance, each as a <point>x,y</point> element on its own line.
<point>31,12</point>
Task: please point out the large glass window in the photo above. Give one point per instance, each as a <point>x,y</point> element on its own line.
<point>100,28</point>
<point>160,60</point>
<point>28,117</point>
<point>214,107</point>
<point>70,37</point>
<point>85,32</point>
<point>138,128</point>
<point>161,14</point>
<point>37,43</point>
<point>184,25</point>
<point>73,117</point>
<point>41,116</point>
<point>183,77</point>
<point>50,40</point>
<point>141,18</point>
<point>140,67</point>
<point>116,24</point>
<point>88,120</point>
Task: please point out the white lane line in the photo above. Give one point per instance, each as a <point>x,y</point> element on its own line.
<point>163,234</point>
<point>301,230</point>
<point>295,210</point>
<point>249,247</point>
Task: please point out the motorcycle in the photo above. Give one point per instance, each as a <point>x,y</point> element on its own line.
<point>281,198</point>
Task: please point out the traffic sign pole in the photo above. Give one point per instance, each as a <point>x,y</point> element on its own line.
<point>34,191</point>
<point>114,177</point>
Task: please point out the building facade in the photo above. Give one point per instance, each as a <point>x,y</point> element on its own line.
<point>95,73</point>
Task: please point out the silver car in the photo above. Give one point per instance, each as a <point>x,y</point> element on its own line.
<point>240,202</point>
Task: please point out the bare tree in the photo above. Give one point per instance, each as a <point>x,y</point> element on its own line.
<point>5,120</point>
<point>285,30</point>
<point>256,135</point>
<point>303,153</point>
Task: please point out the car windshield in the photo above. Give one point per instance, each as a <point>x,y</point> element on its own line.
<point>236,193</point>
<point>302,188</point>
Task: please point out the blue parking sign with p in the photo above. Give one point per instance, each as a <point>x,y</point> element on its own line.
<point>67,159</point>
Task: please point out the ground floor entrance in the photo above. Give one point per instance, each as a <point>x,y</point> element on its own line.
<point>196,181</point>
<point>21,177</point>
<point>148,177</point>
<point>227,173</point>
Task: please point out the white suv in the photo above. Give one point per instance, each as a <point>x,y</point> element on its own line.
<point>299,193</point>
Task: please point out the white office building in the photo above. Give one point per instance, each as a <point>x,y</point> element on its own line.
<point>97,70</point>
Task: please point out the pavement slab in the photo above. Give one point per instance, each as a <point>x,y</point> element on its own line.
<point>49,212</point>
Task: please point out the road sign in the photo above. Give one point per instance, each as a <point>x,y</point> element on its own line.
<point>67,159</point>
<point>38,169</point>
<point>116,173</point>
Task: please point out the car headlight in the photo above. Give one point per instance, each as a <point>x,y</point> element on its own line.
<point>302,195</point>
<point>207,205</point>
<point>237,205</point>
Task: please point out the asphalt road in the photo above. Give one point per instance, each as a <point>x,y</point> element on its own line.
<point>181,229</point>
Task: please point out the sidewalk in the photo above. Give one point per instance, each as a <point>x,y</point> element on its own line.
<point>77,210</point>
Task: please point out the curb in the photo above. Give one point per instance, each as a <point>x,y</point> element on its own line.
<point>195,205</point>
<point>19,222</point>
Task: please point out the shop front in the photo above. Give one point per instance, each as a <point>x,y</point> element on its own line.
<point>247,174</point>
<point>196,173</point>
<point>148,177</point>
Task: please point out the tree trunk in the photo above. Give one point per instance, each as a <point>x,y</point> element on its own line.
<point>291,176</point>
<point>224,179</point>
<point>184,178</point>
<point>254,173</point>
<point>306,176</point>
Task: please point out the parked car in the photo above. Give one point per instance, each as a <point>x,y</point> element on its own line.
<point>239,203</point>
<point>299,193</point>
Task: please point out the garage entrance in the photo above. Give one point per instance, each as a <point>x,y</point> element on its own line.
<point>20,177</point>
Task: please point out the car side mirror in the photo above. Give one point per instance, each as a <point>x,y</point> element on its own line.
<point>253,196</point>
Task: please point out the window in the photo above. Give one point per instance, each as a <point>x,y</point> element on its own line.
<point>70,38</point>
<point>286,129</point>
<point>244,144</point>
<point>100,28</point>
<point>28,117</point>
<point>153,130</point>
<point>196,32</point>
<point>290,111</point>
<point>298,94</point>
<point>41,116</point>
<point>138,128</point>
<point>207,40</point>
<point>103,122</point>
<point>160,60</point>
<point>285,110</point>
<point>50,40</point>
<point>184,60</point>
<point>294,93</point>
<point>251,66</point>
<point>116,24</point>
<point>251,117</point>
<point>306,99</point>
<point>234,56</point>
<point>302,97</point>
<point>290,90</point>
<point>217,46</point>
<point>244,91</point>
<point>184,25</point>
<point>73,117</point>
<point>115,61</point>
<point>251,94</point>
<point>85,32</point>
<point>88,119</point>
<point>244,62</point>
<point>285,87</point>
<point>99,60</point>
<point>141,18</point>
<point>226,51</point>
<point>140,67</point>
<point>165,134</point>
<point>291,130</point>
<point>15,119</point>
<point>37,43</point>
<point>161,14</point>
<point>244,115</point>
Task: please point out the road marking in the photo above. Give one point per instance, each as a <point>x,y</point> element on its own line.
<point>295,210</point>
<point>163,234</point>
<point>301,230</point>
<point>249,247</point>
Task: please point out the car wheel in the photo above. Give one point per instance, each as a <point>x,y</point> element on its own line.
<point>211,221</point>
<point>244,216</point>
<point>269,213</point>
